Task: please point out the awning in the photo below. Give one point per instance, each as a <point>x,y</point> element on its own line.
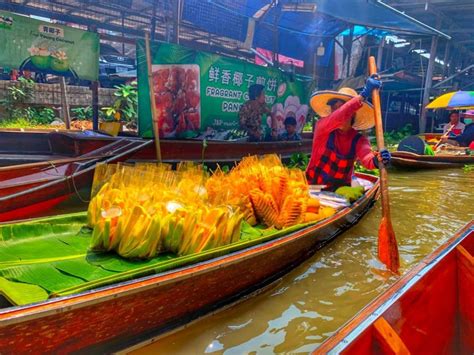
<point>293,30</point>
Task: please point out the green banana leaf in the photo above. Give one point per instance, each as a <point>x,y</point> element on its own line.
<point>49,257</point>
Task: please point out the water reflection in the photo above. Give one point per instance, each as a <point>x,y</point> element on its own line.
<point>312,301</point>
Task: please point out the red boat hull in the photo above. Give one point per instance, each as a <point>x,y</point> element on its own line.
<point>14,148</point>
<point>111,318</point>
<point>30,190</point>
<point>428,311</point>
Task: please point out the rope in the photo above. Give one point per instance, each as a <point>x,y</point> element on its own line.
<point>76,191</point>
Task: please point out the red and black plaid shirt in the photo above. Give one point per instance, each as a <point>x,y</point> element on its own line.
<point>334,169</point>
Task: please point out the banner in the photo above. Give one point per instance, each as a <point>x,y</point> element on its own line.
<point>39,46</point>
<point>199,92</point>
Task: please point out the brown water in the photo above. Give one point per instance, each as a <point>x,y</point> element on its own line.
<point>315,299</point>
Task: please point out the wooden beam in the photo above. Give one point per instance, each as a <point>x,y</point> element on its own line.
<point>65,103</point>
<point>388,339</point>
<point>429,79</point>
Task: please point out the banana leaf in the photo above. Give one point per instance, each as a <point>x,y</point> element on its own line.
<point>49,257</point>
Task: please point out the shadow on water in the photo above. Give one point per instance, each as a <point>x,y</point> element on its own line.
<point>311,302</point>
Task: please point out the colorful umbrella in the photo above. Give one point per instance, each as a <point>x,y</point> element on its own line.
<point>457,99</point>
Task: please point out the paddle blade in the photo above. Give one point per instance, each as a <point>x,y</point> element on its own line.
<point>387,248</point>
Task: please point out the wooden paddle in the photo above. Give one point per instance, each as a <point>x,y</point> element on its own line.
<point>446,135</point>
<point>387,243</point>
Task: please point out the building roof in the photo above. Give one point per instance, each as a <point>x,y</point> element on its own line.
<point>285,25</point>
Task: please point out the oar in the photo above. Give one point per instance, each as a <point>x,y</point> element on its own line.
<point>387,243</point>
<point>446,135</point>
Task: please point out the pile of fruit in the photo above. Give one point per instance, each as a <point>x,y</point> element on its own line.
<point>267,193</point>
<point>143,210</point>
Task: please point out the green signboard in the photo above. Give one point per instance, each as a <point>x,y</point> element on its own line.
<point>199,91</point>
<point>39,46</point>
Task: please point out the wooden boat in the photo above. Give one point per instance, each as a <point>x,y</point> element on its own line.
<point>33,146</point>
<point>116,316</point>
<point>32,189</point>
<point>439,161</point>
<point>430,310</point>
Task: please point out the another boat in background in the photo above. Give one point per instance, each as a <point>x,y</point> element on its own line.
<point>17,147</point>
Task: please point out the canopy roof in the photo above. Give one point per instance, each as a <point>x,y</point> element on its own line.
<point>290,27</point>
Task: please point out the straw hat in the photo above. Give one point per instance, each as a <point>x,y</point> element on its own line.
<point>364,118</point>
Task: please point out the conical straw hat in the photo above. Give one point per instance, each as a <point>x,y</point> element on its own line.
<point>364,118</point>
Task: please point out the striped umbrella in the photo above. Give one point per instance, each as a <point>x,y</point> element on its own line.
<point>456,99</point>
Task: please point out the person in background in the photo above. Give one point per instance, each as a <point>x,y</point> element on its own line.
<point>337,144</point>
<point>251,112</point>
<point>14,75</point>
<point>465,139</point>
<point>290,134</point>
<point>455,127</point>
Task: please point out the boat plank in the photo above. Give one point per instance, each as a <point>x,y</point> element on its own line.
<point>388,339</point>
<point>428,311</point>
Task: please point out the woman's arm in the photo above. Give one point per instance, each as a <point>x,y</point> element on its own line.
<point>365,154</point>
<point>340,116</point>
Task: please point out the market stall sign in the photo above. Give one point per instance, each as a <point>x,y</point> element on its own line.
<point>39,46</point>
<point>198,92</point>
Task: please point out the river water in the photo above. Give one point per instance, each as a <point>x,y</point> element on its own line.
<point>315,299</point>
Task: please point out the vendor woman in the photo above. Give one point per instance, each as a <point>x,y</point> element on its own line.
<point>251,112</point>
<point>337,144</point>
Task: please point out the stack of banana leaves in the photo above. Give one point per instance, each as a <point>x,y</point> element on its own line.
<point>148,219</point>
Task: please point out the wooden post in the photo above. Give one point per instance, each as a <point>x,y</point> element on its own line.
<point>153,22</point>
<point>95,105</point>
<point>428,83</point>
<point>154,116</point>
<point>95,94</point>
<point>65,103</point>
<point>177,20</point>
<point>349,51</point>
<point>380,54</point>
<point>446,58</point>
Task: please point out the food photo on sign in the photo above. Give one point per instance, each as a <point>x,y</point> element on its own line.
<point>177,98</point>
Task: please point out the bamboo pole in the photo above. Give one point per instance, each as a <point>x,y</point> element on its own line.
<point>65,103</point>
<point>154,116</point>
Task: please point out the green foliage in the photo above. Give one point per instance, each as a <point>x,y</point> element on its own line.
<point>125,106</point>
<point>308,127</point>
<point>16,123</point>
<point>394,137</point>
<point>298,161</point>
<point>360,169</point>
<point>30,118</point>
<point>17,94</point>
<point>468,168</point>
<point>82,113</point>
<point>41,116</point>
<point>51,257</point>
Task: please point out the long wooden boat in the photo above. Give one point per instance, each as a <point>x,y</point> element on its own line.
<point>428,311</point>
<point>18,147</point>
<point>32,189</point>
<point>439,161</point>
<point>116,316</point>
